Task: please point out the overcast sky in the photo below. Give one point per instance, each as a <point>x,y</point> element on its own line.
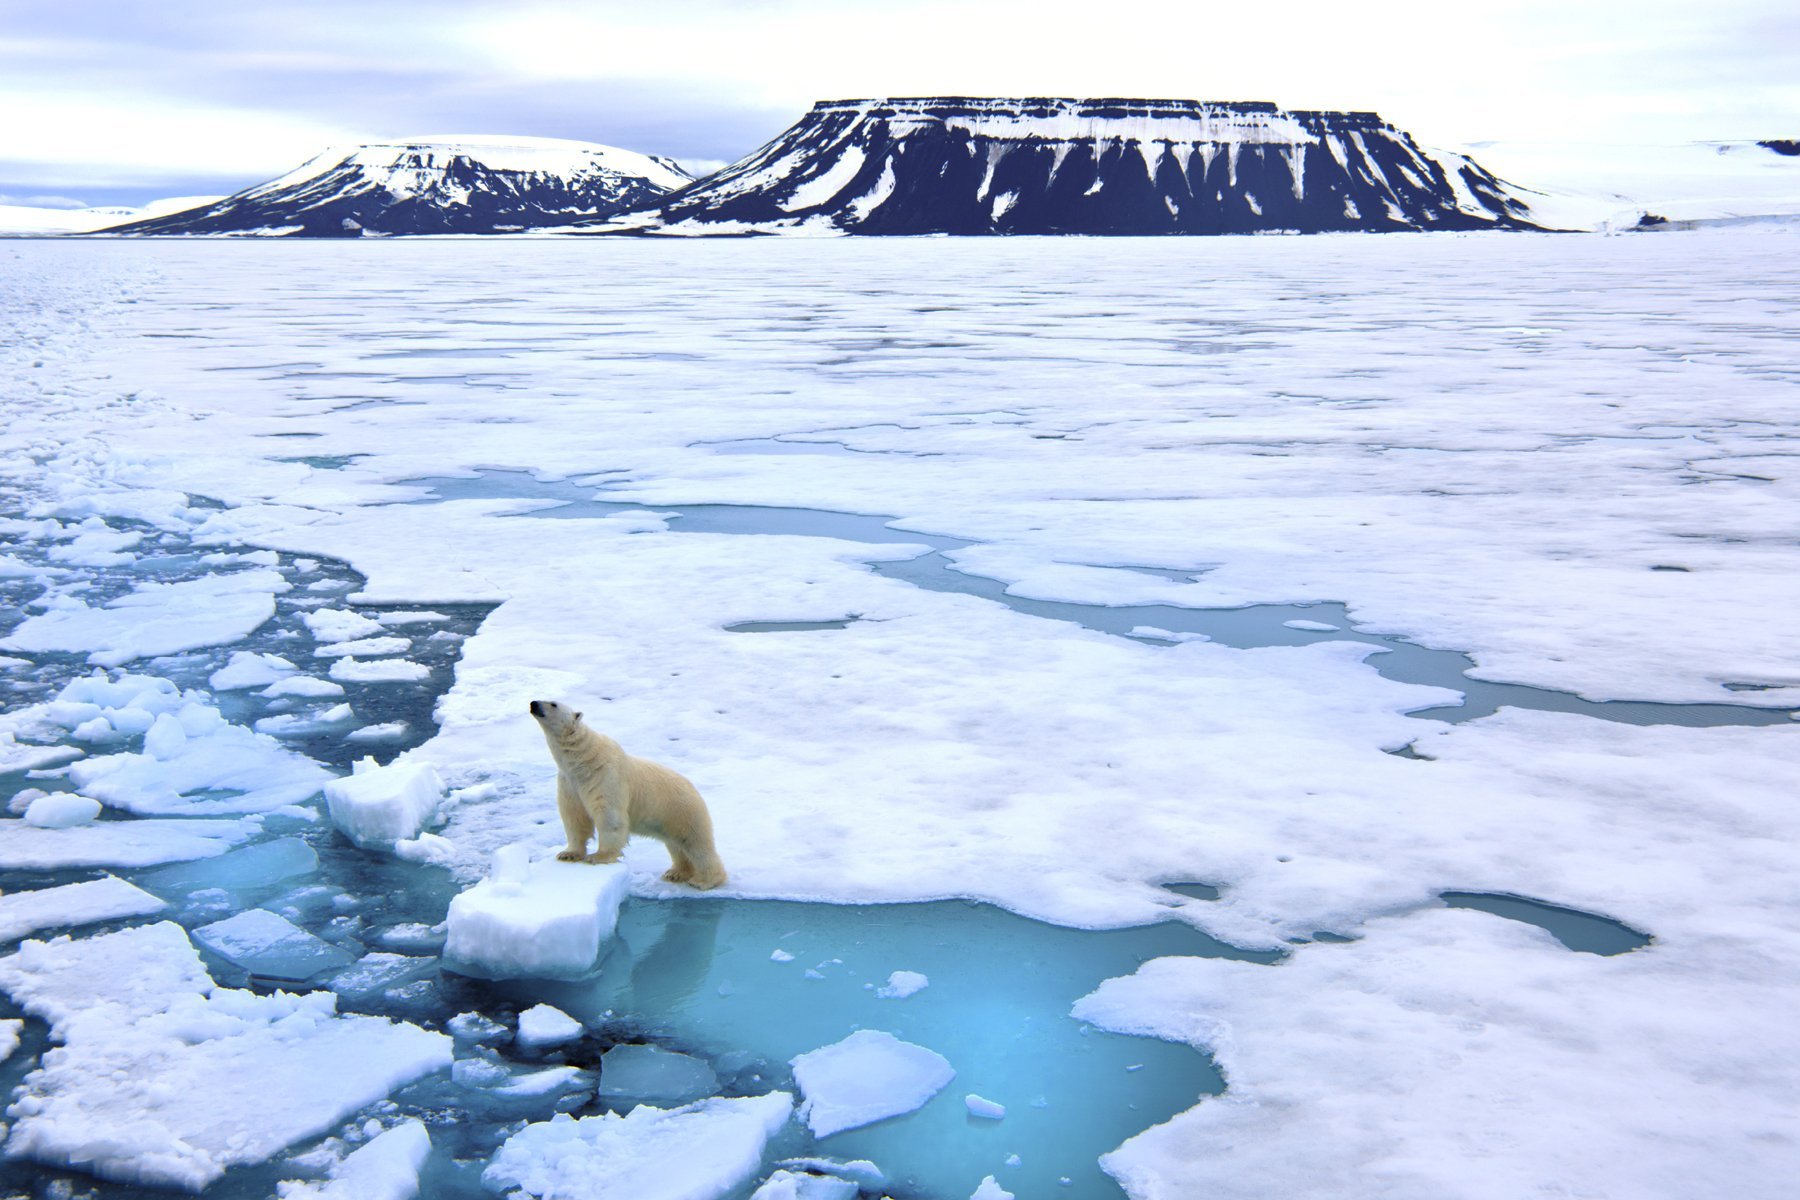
<point>126,100</point>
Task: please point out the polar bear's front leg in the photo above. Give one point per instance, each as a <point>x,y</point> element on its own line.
<point>576,825</point>
<point>610,814</point>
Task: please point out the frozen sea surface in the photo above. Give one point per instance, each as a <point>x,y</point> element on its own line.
<point>1568,459</point>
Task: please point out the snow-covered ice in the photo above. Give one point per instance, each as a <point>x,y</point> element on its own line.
<point>697,1152</point>
<point>544,918</point>
<point>386,1168</point>
<point>103,899</point>
<point>990,1189</point>
<point>901,984</point>
<point>166,1080</point>
<point>379,806</point>
<point>544,1025</point>
<point>139,843</point>
<point>980,1106</point>
<point>61,810</point>
<point>867,1077</point>
<point>378,670</point>
<point>799,1185</point>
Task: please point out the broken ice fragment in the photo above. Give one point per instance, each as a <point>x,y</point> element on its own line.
<point>543,919</point>
<point>544,1025</point>
<point>984,1108</point>
<point>902,984</point>
<point>61,810</point>
<point>269,945</point>
<point>378,806</point>
<point>867,1077</point>
<point>650,1073</point>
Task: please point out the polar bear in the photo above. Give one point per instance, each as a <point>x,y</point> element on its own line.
<point>604,793</point>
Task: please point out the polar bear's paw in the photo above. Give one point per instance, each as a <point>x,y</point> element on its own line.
<point>569,856</point>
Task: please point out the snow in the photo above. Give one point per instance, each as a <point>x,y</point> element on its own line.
<point>867,1077</point>
<point>542,1025</point>
<point>386,1168</point>
<point>902,984</point>
<point>154,619</point>
<point>544,918</point>
<point>696,1152</point>
<point>165,1080</point>
<point>379,670</point>
<point>378,806</point>
<point>105,899</point>
<point>35,219</point>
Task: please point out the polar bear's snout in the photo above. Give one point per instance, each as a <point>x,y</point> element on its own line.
<point>537,709</point>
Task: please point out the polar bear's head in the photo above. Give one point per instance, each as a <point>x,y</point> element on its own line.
<point>556,718</point>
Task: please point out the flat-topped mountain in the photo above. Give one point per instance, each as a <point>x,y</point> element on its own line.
<point>435,185</point>
<point>966,165</point>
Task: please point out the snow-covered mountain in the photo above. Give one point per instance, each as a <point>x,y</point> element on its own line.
<point>1040,166</point>
<point>34,220</point>
<point>435,185</point>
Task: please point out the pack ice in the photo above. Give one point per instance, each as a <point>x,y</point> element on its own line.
<point>529,919</point>
<point>165,1079</point>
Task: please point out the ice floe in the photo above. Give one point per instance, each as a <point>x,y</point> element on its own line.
<point>867,1077</point>
<point>379,806</point>
<point>385,1168</point>
<point>103,899</point>
<point>545,918</point>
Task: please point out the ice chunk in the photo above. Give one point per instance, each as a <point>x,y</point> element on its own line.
<point>902,984</point>
<point>104,899</point>
<point>374,645</point>
<point>270,945</point>
<point>543,919</point>
<point>542,1025</point>
<point>387,731</point>
<point>473,1027</point>
<point>387,1168</point>
<point>990,1189</point>
<point>793,1185</point>
<point>651,1073</point>
<point>61,810</point>
<point>378,970</point>
<point>302,724</point>
<point>339,624</point>
<point>781,956</point>
<point>308,686</point>
<point>248,669</point>
<point>379,670</point>
<point>1311,626</point>
<point>9,1037</point>
<point>255,866</point>
<point>165,738</point>
<point>213,757</point>
<point>116,843</point>
<point>426,848</point>
<point>378,806</point>
<point>697,1152</point>
<point>867,1077</point>
<point>166,1080</point>
<point>155,619</point>
<point>984,1108</point>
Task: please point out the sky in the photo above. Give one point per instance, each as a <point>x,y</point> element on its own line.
<point>119,101</point>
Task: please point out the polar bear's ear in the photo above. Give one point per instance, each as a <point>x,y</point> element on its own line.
<point>578,716</point>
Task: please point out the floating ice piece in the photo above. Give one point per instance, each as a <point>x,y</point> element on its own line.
<point>902,984</point>
<point>990,1189</point>
<point>270,945</point>
<point>61,810</point>
<point>379,670</point>
<point>213,757</point>
<point>867,1077</point>
<point>309,686</point>
<point>984,1108</point>
<point>780,955</point>
<point>543,919</point>
<point>544,1025</point>
<point>1311,626</point>
<point>155,619</point>
<point>388,731</point>
<point>255,866</point>
<point>697,1152</point>
<point>9,1037</point>
<point>116,843</point>
<point>416,617</point>
<point>248,669</point>
<point>103,899</point>
<point>166,1080</point>
<point>302,724</point>
<point>793,1185</point>
<point>474,1027</point>
<point>387,1168</point>
<point>22,756</point>
<point>339,624</point>
<point>376,971</point>
<point>371,646</point>
<point>651,1073</point>
<point>379,806</point>
<point>426,848</point>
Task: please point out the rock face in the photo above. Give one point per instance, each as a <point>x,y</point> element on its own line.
<point>1048,166</point>
<point>449,185</point>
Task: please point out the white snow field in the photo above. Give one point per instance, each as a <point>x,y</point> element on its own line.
<point>1570,457</point>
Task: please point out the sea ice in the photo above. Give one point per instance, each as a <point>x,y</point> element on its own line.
<point>140,843</point>
<point>543,1025</point>
<point>474,1027</point>
<point>867,1077</point>
<point>378,806</point>
<point>103,899</point>
<point>542,919</point>
<point>307,686</point>
<point>248,669</point>
<point>794,1185</point>
<point>166,1080</point>
<point>250,867</point>
<point>369,646</point>
<point>154,619</point>
<point>379,670</point>
<point>385,1168</point>
<point>652,1073</point>
<point>379,970</point>
<point>267,944</point>
<point>990,1189</point>
<point>902,984</point>
<point>10,1029</point>
<point>339,624</point>
<point>61,810</point>
<point>697,1152</point>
